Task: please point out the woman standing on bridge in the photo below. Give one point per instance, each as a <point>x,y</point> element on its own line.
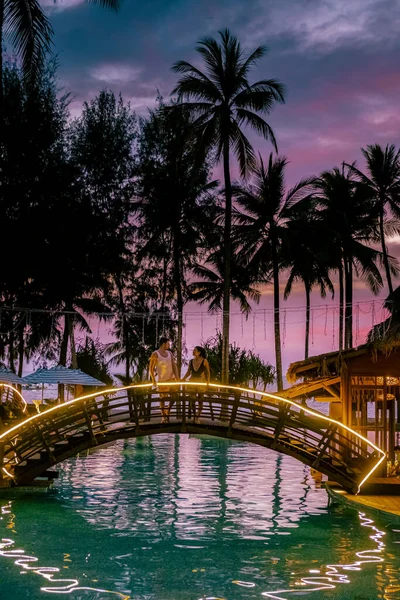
<point>198,370</point>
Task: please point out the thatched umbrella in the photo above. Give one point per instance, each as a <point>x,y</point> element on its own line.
<point>60,375</point>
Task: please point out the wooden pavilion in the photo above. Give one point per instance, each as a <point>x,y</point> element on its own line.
<point>362,386</point>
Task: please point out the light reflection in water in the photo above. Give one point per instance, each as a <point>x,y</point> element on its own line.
<point>333,575</point>
<point>61,586</point>
<point>195,518</point>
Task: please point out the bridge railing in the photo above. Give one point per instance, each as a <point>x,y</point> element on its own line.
<point>239,413</point>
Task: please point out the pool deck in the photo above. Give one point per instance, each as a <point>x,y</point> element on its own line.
<point>381,505</point>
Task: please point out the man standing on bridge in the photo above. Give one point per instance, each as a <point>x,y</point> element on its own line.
<point>163,362</point>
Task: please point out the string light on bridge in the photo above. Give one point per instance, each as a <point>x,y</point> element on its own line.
<point>233,398</point>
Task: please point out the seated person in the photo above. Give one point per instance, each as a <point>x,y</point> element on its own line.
<point>17,407</point>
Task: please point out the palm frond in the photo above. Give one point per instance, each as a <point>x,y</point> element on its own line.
<point>361,176</point>
<point>243,150</point>
<point>211,53</point>
<point>194,87</point>
<point>257,123</point>
<point>251,60</point>
<point>30,33</point>
<point>392,227</point>
<point>289,284</point>
<point>261,96</point>
<point>114,5</point>
<point>303,190</point>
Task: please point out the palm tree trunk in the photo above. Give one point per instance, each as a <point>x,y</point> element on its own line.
<point>178,282</point>
<point>11,347</point>
<point>1,67</point>
<point>179,304</point>
<point>64,343</point>
<point>227,265</point>
<point>348,330</point>
<point>384,252</point>
<point>341,304</point>
<point>125,333</point>
<point>21,350</point>
<point>63,354</point>
<point>127,361</point>
<point>164,284</point>
<point>74,361</point>
<point>277,325</point>
<point>308,310</point>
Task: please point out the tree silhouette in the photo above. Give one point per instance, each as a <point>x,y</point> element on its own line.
<point>347,208</point>
<point>223,101</point>
<point>307,258</point>
<point>174,201</point>
<point>383,181</point>
<point>262,228</point>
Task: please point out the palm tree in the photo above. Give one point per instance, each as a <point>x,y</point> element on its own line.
<point>26,25</point>
<point>385,336</point>
<point>346,206</point>
<point>174,200</point>
<point>223,101</point>
<point>246,367</point>
<point>383,180</point>
<point>130,350</point>
<point>209,289</point>
<point>91,360</point>
<point>134,297</point>
<point>262,228</point>
<point>308,260</point>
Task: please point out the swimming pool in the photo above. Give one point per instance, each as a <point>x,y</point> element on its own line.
<point>177,517</point>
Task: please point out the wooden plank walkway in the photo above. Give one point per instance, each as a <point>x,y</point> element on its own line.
<point>388,505</point>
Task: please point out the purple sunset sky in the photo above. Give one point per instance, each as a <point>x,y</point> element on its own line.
<point>337,58</point>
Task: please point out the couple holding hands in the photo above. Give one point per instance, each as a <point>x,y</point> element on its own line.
<point>162,362</point>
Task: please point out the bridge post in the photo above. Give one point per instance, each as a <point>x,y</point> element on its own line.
<point>235,407</point>
<point>183,410</point>
<point>146,403</point>
<point>284,412</point>
<point>44,442</point>
<point>179,407</point>
<point>132,406</point>
<point>89,425</point>
<point>1,459</point>
<point>330,434</point>
<point>223,414</point>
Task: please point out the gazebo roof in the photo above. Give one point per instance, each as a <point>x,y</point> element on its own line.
<point>321,386</point>
<point>323,365</point>
<point>8,376</point>
<point>62,375</point>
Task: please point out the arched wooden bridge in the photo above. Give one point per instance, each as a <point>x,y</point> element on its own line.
<point>29,449</point>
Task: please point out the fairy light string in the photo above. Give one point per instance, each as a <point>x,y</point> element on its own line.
<point>153,315</point>
<point>322,318</point>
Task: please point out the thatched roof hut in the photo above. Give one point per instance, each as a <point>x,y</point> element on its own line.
<point>323,365</point>
<point>362,385</point>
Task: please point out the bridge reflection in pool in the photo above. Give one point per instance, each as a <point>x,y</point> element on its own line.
<point>178,516</point>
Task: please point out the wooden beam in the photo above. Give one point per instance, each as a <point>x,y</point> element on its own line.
<point>329,389</point>
<point>309,386</point>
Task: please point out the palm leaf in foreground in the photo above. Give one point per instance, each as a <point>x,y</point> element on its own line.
<point>30,33</point>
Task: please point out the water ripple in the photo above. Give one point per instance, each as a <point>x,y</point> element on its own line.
<point>192,518</point>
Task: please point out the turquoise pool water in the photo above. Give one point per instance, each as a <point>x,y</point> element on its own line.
<point>189,518</point>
